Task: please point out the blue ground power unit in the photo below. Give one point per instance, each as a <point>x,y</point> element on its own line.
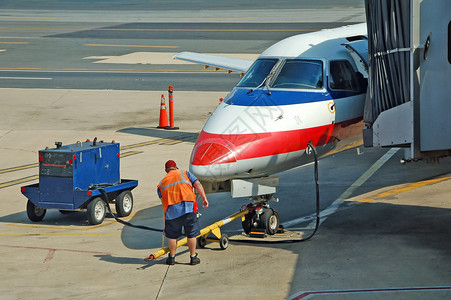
<point>71,176</point>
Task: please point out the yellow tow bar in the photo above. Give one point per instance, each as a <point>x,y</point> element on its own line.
<point>213,228</point>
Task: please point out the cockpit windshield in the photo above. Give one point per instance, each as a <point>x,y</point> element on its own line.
<point>257,72</point>
<point>300,74</point>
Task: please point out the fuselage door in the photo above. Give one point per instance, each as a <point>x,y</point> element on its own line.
<point>359,52</point>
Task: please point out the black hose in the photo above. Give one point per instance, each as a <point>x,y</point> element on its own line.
<point>310,146</point>
<point>105,199</point>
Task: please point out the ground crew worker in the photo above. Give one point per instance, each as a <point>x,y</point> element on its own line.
<point>180,208</point>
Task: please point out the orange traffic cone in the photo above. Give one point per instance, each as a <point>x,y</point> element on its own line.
<point>163,114</point>
<point>171,109</point>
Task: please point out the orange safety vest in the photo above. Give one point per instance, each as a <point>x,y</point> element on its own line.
<point>176,187</point>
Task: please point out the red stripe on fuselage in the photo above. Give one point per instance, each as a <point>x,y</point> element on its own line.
<point>253,145</point>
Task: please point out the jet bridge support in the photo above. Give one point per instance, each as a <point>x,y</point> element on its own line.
<point>408,100</point>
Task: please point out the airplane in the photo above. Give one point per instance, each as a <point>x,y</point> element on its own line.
<point>308,88</point>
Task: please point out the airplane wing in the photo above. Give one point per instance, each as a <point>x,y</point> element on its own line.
<point>219,62</point>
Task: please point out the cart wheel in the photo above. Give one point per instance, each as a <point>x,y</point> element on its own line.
<point>202,241</point>
<point>35,213</point>
<point>124,204</point>
<point>224,241</point>
<point>96,211</point>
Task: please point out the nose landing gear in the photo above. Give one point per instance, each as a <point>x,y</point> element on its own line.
<point>261,216</point>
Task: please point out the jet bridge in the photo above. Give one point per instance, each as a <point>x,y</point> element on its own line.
<point>408,102</point>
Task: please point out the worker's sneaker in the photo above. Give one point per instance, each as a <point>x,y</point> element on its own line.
<point>194,260</point>
<point>170,260</point>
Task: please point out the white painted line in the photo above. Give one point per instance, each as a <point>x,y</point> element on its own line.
<point>118,71</point>
<point>334,206</point>
<point>28,78</point>
<point>362,179</point>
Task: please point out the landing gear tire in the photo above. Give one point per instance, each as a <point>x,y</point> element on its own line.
<point>270,221</point>
<point>202,241</point>
<point>124,204</point>
<point>35,213</point>
<point>224,241</point>
<point>248,222</point>
<point>96,211</point>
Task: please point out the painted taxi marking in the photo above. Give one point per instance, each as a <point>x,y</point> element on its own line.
<point>61,227</point>
<point>402,189</point>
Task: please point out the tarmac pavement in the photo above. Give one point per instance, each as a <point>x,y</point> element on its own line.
<point>392,242</point>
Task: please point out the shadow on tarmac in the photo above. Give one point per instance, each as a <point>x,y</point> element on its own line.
<point>52,218</point>
<point>363,245</point>
<point>175,135</point>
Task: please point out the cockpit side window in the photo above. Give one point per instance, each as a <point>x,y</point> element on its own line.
<point>343,76</point>
<point>257,72</point>
<point>300,74</point>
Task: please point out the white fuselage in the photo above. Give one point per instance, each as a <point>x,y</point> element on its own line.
<point>263,127</point>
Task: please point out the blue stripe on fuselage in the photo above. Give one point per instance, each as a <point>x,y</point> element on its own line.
<point>261,97</point>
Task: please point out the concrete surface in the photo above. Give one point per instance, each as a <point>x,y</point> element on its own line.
<point>392,242</point>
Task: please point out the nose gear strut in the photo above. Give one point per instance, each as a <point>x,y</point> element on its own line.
<point>262,219</point>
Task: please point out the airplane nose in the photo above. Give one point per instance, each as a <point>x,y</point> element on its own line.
<point>212,152</point>
<point>213,158</point>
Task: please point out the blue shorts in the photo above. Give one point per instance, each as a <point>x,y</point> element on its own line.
<point>173,228</point>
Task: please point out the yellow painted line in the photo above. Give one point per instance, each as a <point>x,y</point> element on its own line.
<point>24,167</point>
<point>58,234</point>
<point>88,227</point>
<point>162,141</point>
<point>126,154</point>
<point>136,46</point>
<point>172,143</point>
<point>411,186</point>
<point>112,70</point>
<point>23,69</point>
<point>181,140</point>
<point>52,250</point>
<point>43,28</point>
<point>403,189</point>
<point>35,165</point>
<point>68,69</point>
<point>145,144</point>
<point>15,43</point>
<point>60,227</point>
<point>350,146</point>
<point>18,181</point>
<point>139,145</point>
<point>366,200</point>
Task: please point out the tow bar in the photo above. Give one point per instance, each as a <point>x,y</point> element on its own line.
<point>223,239</point>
